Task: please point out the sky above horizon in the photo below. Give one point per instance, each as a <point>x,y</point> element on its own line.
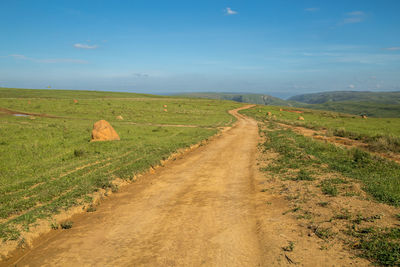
<point>283,47</point>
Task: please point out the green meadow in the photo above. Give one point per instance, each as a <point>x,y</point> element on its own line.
<point>48,164</point>
<point>381,134</point>
<point>330,120</point>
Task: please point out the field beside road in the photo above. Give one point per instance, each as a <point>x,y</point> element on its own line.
<point>339,174</point>
<point>48,165</point>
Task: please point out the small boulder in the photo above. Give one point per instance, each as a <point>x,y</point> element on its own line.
<point>103,131</point>
<point>269,113</point>
<point>165,110</point>
<point>119,117</point>
<point>280,109</point>
<point>364,116</point>
<point>75,101</point>
<point>300,118</point>
<point>165,106</point>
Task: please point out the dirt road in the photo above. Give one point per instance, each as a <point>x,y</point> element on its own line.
<point>197,210</point>
<point>206,208</point>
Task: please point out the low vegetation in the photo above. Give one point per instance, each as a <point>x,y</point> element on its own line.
<point>48,165</point>
<point>341,195</point>
<point>380,134</point>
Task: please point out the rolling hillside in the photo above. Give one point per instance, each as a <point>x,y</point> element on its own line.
<point>372,104</point>
<point>259,99</point>
<point>342,96</point>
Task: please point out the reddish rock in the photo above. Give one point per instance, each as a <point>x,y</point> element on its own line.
<point>103,131</point>
<point>300,118</point>
<point>75,101</point>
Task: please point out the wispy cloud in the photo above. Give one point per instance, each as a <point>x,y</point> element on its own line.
<point>85,46</point>
<point>354,17</point>
<point>395,48</point>
<point>356,13</point>
<point>49,60</point>
<point>312,9</point>
<point>229,11</point>
<point>140,75</point>
<point>17,56</point>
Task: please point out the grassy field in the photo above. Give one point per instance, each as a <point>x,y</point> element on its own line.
<point>381,134</point>
<point>325,186</point>
<point>371,109</point>
<point>47,164</point>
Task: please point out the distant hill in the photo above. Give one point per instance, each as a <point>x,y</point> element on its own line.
<point>372,104</point>
<point>371,109</point>
<point>345,96</point>
<point>259,99</point>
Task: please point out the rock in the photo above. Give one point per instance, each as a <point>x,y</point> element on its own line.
<point>280,109</point>
<point>165,110</point>
<point>119,118</point>
<point>103,131</point>
<point>75,101</point>
<point>364,116</point>
<point>269,113</point>
<point>165,106</point>
<point>300,118</point>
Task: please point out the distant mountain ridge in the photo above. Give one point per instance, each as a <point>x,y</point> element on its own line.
<point>341,96</point>
<point>372,104</point>
<point>260,99</point>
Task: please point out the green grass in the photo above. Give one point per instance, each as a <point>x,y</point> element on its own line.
<point>371,109</point>
<point>331,120</point>
<point>379,245</point>
<point>381,134</point>
<point>48,164</point>
<point>381,177</point>
<point>372,104</point>
<point>303,175</point>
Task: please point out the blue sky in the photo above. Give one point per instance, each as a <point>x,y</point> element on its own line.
<point>280,47</point>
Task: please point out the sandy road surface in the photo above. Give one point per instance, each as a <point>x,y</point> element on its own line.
<point>198,210</point>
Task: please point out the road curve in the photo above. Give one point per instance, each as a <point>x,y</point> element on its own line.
<point>197,210</point>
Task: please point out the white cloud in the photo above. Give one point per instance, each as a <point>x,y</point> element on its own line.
<point>229,11</point>
<point>85,46</point>
<point>312,9</point>
<point>351,86</point>
<point>49,60</point>
<point>356,13</point>
<point>62,60</point>
<point>140,75</point>
<point>395,48</point>
<point>352,20</point>
<point>18,56</point>
<point>354,17</point>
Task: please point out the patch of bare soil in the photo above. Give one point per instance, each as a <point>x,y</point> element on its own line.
<point>13,112</point>
<point>321,135</point>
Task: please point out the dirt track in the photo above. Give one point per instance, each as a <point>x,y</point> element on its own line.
<point>206,208</point>
<point>197,210</point>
